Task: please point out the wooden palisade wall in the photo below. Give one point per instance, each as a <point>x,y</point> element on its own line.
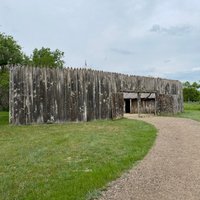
<point>44,95</point>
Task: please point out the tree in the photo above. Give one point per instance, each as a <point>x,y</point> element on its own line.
<point>10,51</point>
<point>187,84</point>
<point>191,92</point>
<point>48,58</point>
<point>4,90</point>
<point>26,60</point>
<point>195,85</point>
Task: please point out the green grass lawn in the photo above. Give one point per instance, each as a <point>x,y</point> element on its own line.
<point>68,161</point>
<point>3,118</point>
<point>191,110</point>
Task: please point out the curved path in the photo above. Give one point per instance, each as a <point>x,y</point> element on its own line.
<point>170,171</point>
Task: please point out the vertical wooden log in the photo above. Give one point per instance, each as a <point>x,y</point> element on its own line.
<point>60,95</point>
<point>88,96</point>
<point>84,95</point>
<point>22,116</point>
<point>155,105</point>
<point>63,91</point>
<point>73,95</point>
<point>138,103</point>
<point>80,94</point>
<point>11,92</point>
<point>94,96</point>
<point>48,95</point>
<point>45,97</point>
<point>68,94</point>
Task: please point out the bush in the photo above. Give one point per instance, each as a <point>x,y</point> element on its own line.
<point>191,94</point>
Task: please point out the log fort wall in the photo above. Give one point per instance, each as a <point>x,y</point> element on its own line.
<point>44,95</point>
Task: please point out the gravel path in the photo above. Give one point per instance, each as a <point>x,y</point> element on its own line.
<point>170,171</point>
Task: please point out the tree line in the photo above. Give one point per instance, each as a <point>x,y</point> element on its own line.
<point>191,91</point>
<point>11,53</point>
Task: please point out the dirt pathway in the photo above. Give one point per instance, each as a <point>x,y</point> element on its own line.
<point>170,171</point>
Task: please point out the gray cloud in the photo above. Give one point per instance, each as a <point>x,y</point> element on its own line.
<point>121,51</point>
<point>172,30</point>
<point>167,61</point>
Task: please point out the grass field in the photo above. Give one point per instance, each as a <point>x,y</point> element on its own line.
<point>191,110</point>
<point>69,161</point>
<point>3,118</point>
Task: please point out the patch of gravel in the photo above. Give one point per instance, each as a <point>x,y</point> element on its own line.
<point>170,171</point>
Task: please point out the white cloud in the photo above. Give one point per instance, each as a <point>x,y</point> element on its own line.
<point>196,69</point>
<point>111,35</point>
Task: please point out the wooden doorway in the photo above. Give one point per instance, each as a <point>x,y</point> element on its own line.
<point>140,102</point>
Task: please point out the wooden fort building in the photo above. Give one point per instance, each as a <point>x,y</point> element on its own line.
<point>44,95</point>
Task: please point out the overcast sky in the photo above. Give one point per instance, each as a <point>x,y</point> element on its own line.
<point>139,37</point>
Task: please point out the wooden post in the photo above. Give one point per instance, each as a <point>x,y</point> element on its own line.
<point>11,95</point>
<point>130,106</point>
<point>155,104</point>
<point>138,103</point>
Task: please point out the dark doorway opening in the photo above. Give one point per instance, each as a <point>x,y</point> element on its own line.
<point>127,106</point>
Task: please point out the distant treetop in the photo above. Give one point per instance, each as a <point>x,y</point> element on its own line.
<point>46,57</point>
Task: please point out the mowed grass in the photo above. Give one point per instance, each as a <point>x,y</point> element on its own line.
<point>192,106</point>
<point>191,110</point>
<point>68,161</point>
<point>3,118</point>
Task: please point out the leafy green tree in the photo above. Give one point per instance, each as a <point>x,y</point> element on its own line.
<point>195,85</point>
<point>191,92</point>
<point>26,60</point>
<point>46,57</point>
<point>187,84</point>
<point>4,90</point>
<point>10,51</point>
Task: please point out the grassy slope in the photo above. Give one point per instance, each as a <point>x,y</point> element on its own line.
<point>191,110</point>
<point>69,161</point>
